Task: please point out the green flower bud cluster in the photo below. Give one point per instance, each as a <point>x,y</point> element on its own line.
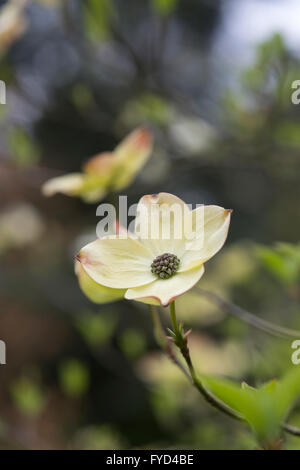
<point>164,266</point>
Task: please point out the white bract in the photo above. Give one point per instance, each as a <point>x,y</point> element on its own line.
<point>133,267</point>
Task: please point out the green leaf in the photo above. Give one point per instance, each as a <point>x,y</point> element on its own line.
<point>258,406</point>
<point>270,386</point>
<point>132,343</point>
<point>264,408</point>
<point>98,14</point>
<point>287,133</point>
<point>283,261</point>
<point>96,329</point>
<point>245,386</point>
<point>164,7</point>
<point>25,152</point>
<point>241,399</point>
<point>28,396</point>
<point>287,391</point>
<point>74,377</point>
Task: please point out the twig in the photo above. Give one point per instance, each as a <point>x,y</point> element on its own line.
<point>180,339</point>
<point>248,317</point>
<point>163,342</point>
<point>291,429</point>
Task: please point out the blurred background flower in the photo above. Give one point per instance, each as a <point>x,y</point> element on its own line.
<point>212,79</point>
<point>106,172</point>
<point>13,22</point>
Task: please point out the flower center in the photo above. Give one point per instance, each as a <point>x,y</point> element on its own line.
<point>164,266</point>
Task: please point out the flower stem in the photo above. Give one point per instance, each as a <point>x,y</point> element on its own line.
<point>164,343</point>
<point>174,319</point>
<point>181,342</point>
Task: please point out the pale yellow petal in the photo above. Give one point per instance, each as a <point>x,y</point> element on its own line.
<point>117,262</point>
<point>101,165</point>
<point>13,22</point>
<point>68,184</point>
<point>164,291</point>
<point>131,155</point>
<point>93,195</point>
<point>159,223</point>
<point>89,188</point>
<point>136,143</point>
<point>212,233</point>
<point>96,292</point>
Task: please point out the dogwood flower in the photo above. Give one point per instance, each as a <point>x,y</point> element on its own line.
<point>157,267</point>
<point>108,171</point>
<point>13,22</point>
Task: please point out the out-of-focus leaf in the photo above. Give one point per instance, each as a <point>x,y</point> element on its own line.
<point>164,7</point>
<point>283,261</point>
<point>132,343</point>
<point>287,133</point>
<point>287,391</point>
<point>98,14</point>
<point>24,150</point>
<point>268,53</point>
<point>81,96</point>
<point>74,377</point>
<point>99,437</point>
<point>146,107</point>
<point>28,396</point>
<point>96,329</point>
